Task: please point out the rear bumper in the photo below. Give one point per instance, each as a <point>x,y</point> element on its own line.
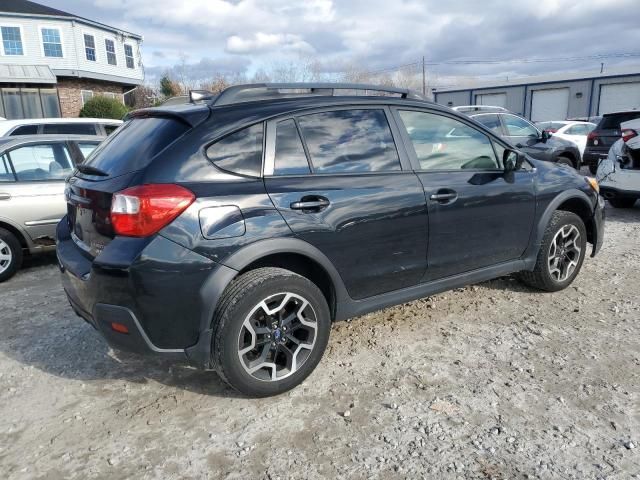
<point>162,293</point>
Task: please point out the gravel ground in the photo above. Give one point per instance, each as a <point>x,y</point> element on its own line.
<point>490,381</point>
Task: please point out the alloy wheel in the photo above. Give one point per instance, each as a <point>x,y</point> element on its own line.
<point>5,256</point>
<point>277,336</point>
<point>564,253</point>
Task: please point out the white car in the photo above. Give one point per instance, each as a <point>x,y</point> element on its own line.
<point>619,173</point>
<point>575,132</point>
<point>58,126</point>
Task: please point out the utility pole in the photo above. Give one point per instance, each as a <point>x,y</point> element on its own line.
<point>424,77</point>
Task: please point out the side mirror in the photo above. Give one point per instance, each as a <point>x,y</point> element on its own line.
<point>512,160</point>
<point>545,135</point>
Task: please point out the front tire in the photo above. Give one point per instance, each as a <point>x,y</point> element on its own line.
<point>10,255</point>
<point>270,331</point>
<point>561,254</point>
<point>624,202</point>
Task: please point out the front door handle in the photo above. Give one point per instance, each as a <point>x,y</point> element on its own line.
<point>310,204</point>
<point>444,196</point>
<point>5,196</point>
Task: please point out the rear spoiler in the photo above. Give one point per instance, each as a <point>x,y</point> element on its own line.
<point>189,114</point>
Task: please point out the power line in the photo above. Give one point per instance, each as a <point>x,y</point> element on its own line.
<point>498,62</point>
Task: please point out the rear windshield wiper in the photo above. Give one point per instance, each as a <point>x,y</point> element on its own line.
<point>89,170</point>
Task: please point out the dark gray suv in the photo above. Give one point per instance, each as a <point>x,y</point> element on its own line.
<point>232,231</point>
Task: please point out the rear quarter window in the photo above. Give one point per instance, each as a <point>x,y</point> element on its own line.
<point>240,152</point>
<point>69,129</point>
<point>25,130</point>
<point>134,144</point>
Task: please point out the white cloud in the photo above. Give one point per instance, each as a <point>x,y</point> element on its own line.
<point>262,42</point>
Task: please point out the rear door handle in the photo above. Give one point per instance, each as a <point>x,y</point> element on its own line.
<point>5,196</point>
<point>315,204</point>
<point>444,196</point>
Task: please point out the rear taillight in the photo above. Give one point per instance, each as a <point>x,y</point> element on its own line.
<point>592,136</point>
<point>144,210</point>
<point>628,134</point>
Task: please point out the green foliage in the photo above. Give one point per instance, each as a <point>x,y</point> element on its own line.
<point>168,88</point>
<point>104,107</point>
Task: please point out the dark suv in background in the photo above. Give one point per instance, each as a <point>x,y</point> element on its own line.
<point>233,230</point>
<point>525,135</point>
<point>602,138</point>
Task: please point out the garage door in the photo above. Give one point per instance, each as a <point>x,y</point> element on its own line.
<point>619,96</point>
<point>549,104</point>
<point>493,99</point>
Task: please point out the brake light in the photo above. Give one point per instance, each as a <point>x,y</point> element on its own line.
<point>592,135</point>
<point>628,134</point>
<point>144,210</point>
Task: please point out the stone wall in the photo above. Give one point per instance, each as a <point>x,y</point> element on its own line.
<point>69,93</point>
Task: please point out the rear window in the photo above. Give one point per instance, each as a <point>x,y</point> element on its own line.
<point>69,129</point>
<point>612,122</point>
<point>134,144</point>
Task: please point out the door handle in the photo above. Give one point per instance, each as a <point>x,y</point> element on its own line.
<point>315,204</point>
<point>444,196</point>
<point>5,196</point>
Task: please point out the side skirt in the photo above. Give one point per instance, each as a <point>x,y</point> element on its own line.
<point>352,308</point>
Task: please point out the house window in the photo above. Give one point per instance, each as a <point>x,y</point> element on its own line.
<point>109,94</point>
<point>128,55</point>
<point>90,47</point>
<point>11,40</point>
<point>86,96</point>
<point>51,42</point>
<point>111,51</point>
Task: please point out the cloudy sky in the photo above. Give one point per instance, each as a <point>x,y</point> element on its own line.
<point>243,36</point>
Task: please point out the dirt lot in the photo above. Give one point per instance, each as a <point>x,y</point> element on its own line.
<point>490,381</point>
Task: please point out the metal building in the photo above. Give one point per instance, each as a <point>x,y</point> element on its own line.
<point>553,97</point>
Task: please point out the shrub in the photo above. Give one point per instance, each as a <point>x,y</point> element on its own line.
<point>104,107</point>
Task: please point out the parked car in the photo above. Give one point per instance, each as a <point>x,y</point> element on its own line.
<point>619,173</point>
<point>572,131</point>
<point>232,231</point>
<point>32,173</point>
<point>59,126</point>
<point>524,135</point>
<point>601,139</point>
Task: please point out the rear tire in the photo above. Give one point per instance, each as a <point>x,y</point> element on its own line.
<point>10,255</point>
<point>561,254</point>
<point>562,160</point>
<point>270,330</point>
<point>622,202</point>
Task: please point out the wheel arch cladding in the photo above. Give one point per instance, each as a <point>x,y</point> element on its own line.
<point>297,256</point>
<point>574,201</point>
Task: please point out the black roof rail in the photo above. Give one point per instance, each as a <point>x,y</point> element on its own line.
<point>265,91</point>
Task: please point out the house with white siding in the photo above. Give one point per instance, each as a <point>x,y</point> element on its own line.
<point>52,62</point>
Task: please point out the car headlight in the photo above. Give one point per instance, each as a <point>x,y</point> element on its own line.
<point>593,183</point>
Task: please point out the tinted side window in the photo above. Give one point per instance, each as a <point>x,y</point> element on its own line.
<point>109,129</point>
<point>612,122</point>
<point>290,157</point>
<point>41,162</point>
<point>442,143</point>
<point>6,175</point>
<point>69,129</point>
<point>491,121</point>
<point>517,127</point>
<point>350,141</point>
<point>240,152</point>
<point>25,130</point>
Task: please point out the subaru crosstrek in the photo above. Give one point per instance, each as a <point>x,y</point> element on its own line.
<point>231,231</point>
